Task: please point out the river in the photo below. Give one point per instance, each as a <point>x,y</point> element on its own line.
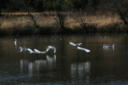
<point>105,64</point>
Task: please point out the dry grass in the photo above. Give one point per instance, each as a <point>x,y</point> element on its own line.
<point>15,22</point>
<point>103,21</point>
<point>22,21</point>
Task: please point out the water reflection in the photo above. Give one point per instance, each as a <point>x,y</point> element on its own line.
<point>81,71</point>
<point>34,67</point>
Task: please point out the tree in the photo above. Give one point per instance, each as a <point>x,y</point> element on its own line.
<point>95,3</point>
<point>3,5</point>
<point>122,9</point>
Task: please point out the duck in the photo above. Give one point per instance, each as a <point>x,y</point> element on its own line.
<point>105,46</point>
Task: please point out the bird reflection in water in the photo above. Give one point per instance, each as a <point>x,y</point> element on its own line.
<point>81,71</point>
<point>36,66</point>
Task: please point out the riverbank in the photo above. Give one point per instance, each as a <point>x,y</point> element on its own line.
<point>49,22</point>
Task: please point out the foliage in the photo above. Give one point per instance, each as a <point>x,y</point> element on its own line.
<point>41,5</point>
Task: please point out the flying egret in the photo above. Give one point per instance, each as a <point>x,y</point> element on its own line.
<point>39,52</point>
<point>49,48</point>
<point>21,49</point>
<point>75,44</point>
<point>83,49</point>
<point>78,47</point>
<point>30,51</point>
<point>36,51</point>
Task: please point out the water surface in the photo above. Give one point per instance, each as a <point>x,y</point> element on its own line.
<point>68,66</point>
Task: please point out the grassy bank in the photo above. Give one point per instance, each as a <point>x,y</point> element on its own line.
<point>48,22</point>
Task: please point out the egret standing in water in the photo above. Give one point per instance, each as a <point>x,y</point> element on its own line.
<point>15,42</point>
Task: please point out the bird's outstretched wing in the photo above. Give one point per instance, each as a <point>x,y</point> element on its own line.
<point>83,49</point>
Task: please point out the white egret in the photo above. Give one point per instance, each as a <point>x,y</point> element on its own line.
<point>21,49</point>
<point>51,48</point>
<point>15,42</point>
<point>39,52</point>
<point>30,50</point>
<point>75,44</point>
<point>83,49</point>
<point>36,51</point>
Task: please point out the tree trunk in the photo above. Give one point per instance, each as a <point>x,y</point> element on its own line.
<point>34,20</point>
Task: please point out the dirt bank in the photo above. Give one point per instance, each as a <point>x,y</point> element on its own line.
<point>48,21</point>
